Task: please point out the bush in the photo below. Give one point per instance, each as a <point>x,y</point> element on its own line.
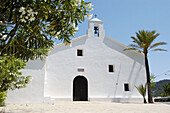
<point>3,96</point>
<point>11,77</point>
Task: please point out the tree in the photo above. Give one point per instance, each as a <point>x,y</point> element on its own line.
<point>29,28</point>
<point>166,90</point>
<point>152,78</point>
<point>3,96</point>
<point>158,89</point>
<point>10,76</point>
<point>142,91</point>
<point>144,43</point>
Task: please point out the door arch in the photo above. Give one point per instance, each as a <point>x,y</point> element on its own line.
<point>80,89</point>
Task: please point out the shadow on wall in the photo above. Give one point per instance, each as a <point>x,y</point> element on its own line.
<point>136,57</point>
<point>119,48</point>
<point>117,81</point>
<point>35,64</point>
<point>133,81</point>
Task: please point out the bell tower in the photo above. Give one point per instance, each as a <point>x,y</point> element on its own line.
<point>95,29</point>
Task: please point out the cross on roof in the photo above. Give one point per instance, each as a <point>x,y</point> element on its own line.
<point>95,15</point>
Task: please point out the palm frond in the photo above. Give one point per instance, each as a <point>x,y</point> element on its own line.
<point>144,35</point>
<point>142,89</point>
<point>140,51</point>
<point>159,50</point>
<point>151,33</point>
<point>129,49</point>
<point>152,36</point>
<point>157,44</point>
<point>135,40</point>
<point>139,36</point>
<point>134,46</point>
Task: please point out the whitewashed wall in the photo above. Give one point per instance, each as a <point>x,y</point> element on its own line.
<point>63,63</point>
<point>34,92</point>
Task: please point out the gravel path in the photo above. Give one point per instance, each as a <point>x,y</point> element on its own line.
<point>88,107</point>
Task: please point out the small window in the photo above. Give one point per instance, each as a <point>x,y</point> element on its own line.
<point>126,86</point>
<point>79,52</point>
<point>111,68</point>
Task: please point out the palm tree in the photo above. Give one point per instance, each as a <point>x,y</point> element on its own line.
<point>143,43</point>
<point>142,91</point>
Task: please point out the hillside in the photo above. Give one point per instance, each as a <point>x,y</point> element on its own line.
<point>158,89</point>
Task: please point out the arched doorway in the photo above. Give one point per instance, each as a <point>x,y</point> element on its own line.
<point>80,89</point>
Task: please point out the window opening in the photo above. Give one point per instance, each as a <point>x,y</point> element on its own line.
<point>111,68</point>
<point>126,86</point>
<point>79,52</point>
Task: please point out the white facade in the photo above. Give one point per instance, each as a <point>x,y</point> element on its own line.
<point>53,78</point>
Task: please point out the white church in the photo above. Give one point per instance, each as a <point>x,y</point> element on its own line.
<point>93,68</point>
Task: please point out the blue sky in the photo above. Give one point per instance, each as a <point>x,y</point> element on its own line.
<point>122,18</point>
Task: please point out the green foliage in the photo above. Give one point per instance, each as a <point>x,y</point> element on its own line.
<point>3,96</point>
<point>10,75</point>
<point>152,77</point>
<point>166,90</point>
<point>142,91</point>
<point>28,28</point>
<point>158,89</point>
<point>143,42</point>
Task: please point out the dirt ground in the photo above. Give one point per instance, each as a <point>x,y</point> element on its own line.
<point>87,107</point>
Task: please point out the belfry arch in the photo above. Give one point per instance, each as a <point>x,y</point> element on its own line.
<point>96,30</point>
